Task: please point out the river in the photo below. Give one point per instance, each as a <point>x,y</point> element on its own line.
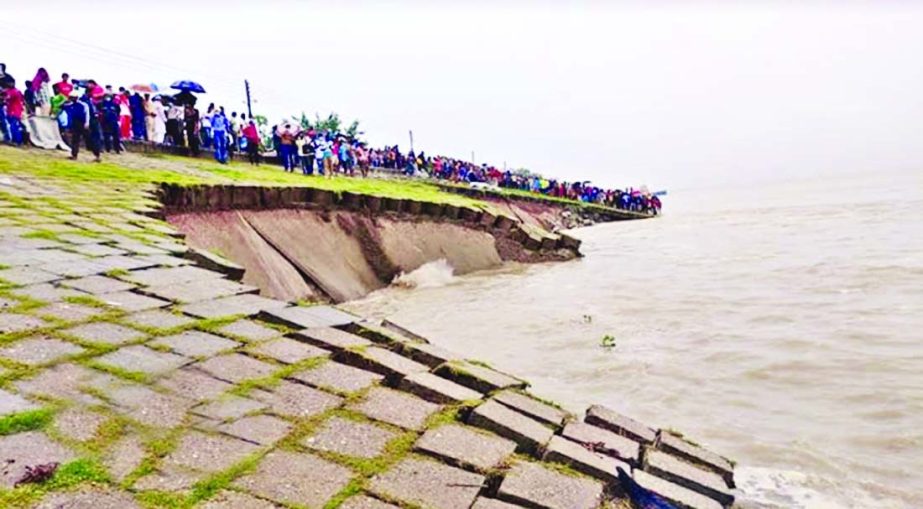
<point>780,324</point>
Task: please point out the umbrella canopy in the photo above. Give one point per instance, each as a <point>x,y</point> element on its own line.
<point>146,89</point>
<point>188,86</point>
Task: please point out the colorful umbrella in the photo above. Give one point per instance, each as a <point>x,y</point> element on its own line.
<point>148,89</point>
<point>188,86</point>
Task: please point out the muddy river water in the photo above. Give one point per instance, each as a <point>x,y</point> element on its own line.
<point>781,325</point>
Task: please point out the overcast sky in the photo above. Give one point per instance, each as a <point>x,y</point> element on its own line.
<point>669,94</point>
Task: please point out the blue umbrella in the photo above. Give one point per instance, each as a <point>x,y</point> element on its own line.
<point>188,86</point>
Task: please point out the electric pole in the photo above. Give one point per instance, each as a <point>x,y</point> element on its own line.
<point>249,109</point>
<point>411,140</point>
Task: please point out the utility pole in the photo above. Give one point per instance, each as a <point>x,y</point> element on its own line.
<point>249,109</point>
<point>472,157</point>
<point>411,140</point>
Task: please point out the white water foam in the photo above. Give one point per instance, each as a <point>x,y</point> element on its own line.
<point>429,275</point>
<point>765,488</point>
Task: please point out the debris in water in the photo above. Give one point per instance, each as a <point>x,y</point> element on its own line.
<point>607,342</point>
<point>587,319</point>
<point>38,473</point>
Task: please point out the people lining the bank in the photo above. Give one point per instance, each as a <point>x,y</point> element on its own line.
<point>109,117</point>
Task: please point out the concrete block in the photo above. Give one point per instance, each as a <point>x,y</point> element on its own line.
<point>429,484</point>
<point>674,493</point>
<point>214,262</point>
<point>478,377</point>
<point>322,197</point>
<point>619,424</point>
<point>466,447</point>
<point>352,201</point>
<point>533,408</point>
<point>488,219</point>
<point>427,353</point>
<point>530,435</point>
<point>505,223</point>
<point>533,485</point>
<point>603,441</point>
<point>377,333</point>
<point>687,475</point>
<point>688,451</point>
<point>381,361</point>
<point>437,389</point>
<point>330,338</point>
<point>549,243</point>
<point>562,450</point>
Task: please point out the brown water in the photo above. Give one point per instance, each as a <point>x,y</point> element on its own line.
<point>782,326</point>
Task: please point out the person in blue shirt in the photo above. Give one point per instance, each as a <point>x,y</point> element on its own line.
<point>78,121</point>
<point>110,113</point>
<point>220,127</point>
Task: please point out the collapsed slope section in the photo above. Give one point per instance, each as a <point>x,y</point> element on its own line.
<point>304,243</point>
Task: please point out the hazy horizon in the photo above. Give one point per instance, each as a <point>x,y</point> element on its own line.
<point>671,95</point>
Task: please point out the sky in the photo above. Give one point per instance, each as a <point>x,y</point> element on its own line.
<point>665,94</point>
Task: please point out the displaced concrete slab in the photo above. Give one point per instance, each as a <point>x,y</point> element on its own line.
<point>428,484</point>
<point>28,450</point>
<point>605,418</point>
<point>685,498</point>
<point>396,408</point>
<point>535,486</point>
<point>429,354</point>
<point>259,429</point>
<point>306,317</point>
<point>235,367</point>
<point>687,475</point>
<point>208,453</point>
<point>677,446</point>
<point>244,305</point>
<point>561,450</point>
<point>104,333</point>
<point>349,438</point>
<point>603,441</point>
<point>39,350</point>
<point>381,361</point>
<point>195,344</point>
<point>296,478</point>
<point>529,434</point>
<point>338,377</point>
<point>330,338</point>
<point>478,377</point>
<point>533,408</point>
<point>287,351</point>
<point>291,399</point>
<point>466,447</point>
<point>437,389</point>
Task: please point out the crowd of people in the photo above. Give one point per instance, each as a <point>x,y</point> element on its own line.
<point>101,117</point>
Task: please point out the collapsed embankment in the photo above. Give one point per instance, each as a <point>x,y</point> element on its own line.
<point>306,243</point>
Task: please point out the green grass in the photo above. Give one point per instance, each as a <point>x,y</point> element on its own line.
<point>197,171</point>
<point>25,421</point>
<point>81,471</point>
